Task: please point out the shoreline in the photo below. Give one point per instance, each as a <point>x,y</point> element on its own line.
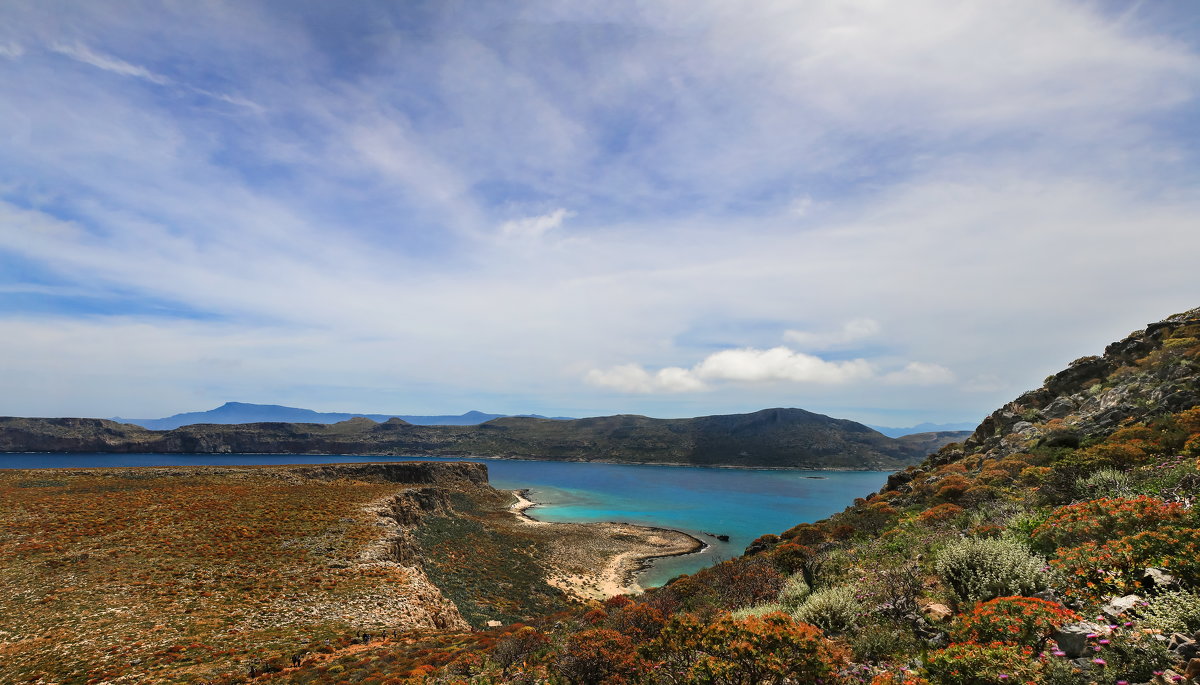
<point>619,575</point>
<point>524,504</point>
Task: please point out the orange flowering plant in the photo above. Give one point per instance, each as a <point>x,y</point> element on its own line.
<point>1102,519</point>
<point>1024,621</point>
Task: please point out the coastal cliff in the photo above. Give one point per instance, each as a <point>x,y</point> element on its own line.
<point>782,438</point>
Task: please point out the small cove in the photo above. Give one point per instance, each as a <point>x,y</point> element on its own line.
<point>702,501</point>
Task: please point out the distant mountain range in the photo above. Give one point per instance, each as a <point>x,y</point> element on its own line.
<point>244,412</point>
<point>925,428</point>
<point>788,438</point>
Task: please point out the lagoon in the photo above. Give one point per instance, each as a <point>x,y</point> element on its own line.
<point>703,501</point>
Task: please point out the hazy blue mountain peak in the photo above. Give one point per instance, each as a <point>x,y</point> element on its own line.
<point>925,427</point>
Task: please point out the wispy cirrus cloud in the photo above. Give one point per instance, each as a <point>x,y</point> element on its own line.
<point>82,53</point>
<point>79,51</point>
<point>513,207</point>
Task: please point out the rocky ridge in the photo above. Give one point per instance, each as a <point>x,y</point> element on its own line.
<point>781,438</point>
<point>1148,373</point>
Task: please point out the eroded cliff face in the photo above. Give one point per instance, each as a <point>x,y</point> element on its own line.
<point>398,515</point>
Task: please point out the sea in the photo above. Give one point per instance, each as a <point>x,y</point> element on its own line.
<point>705,502</point>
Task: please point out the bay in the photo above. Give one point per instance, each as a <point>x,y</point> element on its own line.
<point>702,501</point>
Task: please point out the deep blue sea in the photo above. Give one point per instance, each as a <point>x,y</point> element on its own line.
<point>740,503</point>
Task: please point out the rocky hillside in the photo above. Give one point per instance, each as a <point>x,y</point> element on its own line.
<point>1151,372</point>
<point>791,438</point>
<point>1058,545</point>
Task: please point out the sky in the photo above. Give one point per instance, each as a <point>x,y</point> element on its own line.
<point>888,212</point>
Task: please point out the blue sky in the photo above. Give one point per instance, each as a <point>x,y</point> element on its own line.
<point>891,212</point>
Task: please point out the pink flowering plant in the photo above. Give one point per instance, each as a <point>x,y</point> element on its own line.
<point>1118,652</point>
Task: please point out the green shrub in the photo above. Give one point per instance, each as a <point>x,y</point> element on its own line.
<point>1109,482</point>
<point>982,664</point>
<point>1064,671</point>
<point>883,642</point>
<point>794,592</point>
<point>979,569</point>
<point>1021,526</point>
<point>1172,478</point>
<point>1130,656</point>
<point>1173,612</point>
<point>891,591</point>
<point>833,609</point>
<point>757,610</point>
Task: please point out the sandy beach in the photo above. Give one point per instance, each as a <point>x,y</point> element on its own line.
<point>601,560</point>
<point>522,505</point>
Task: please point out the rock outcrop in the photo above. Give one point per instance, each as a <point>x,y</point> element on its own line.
<point>1151,372</point>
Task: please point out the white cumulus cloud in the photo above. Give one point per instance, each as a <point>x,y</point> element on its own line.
<point>743,365</point>
<point>634,378</point>
<point>535,226</point>
<point>749,365</point>
<point>779,364</point>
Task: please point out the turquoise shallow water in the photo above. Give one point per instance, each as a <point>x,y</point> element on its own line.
<point>740,503</point>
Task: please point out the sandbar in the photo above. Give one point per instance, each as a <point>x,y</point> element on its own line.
<point>591,561</point>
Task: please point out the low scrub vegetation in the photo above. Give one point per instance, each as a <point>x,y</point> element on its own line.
<point>906,587</point>
<point>184,577</point>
